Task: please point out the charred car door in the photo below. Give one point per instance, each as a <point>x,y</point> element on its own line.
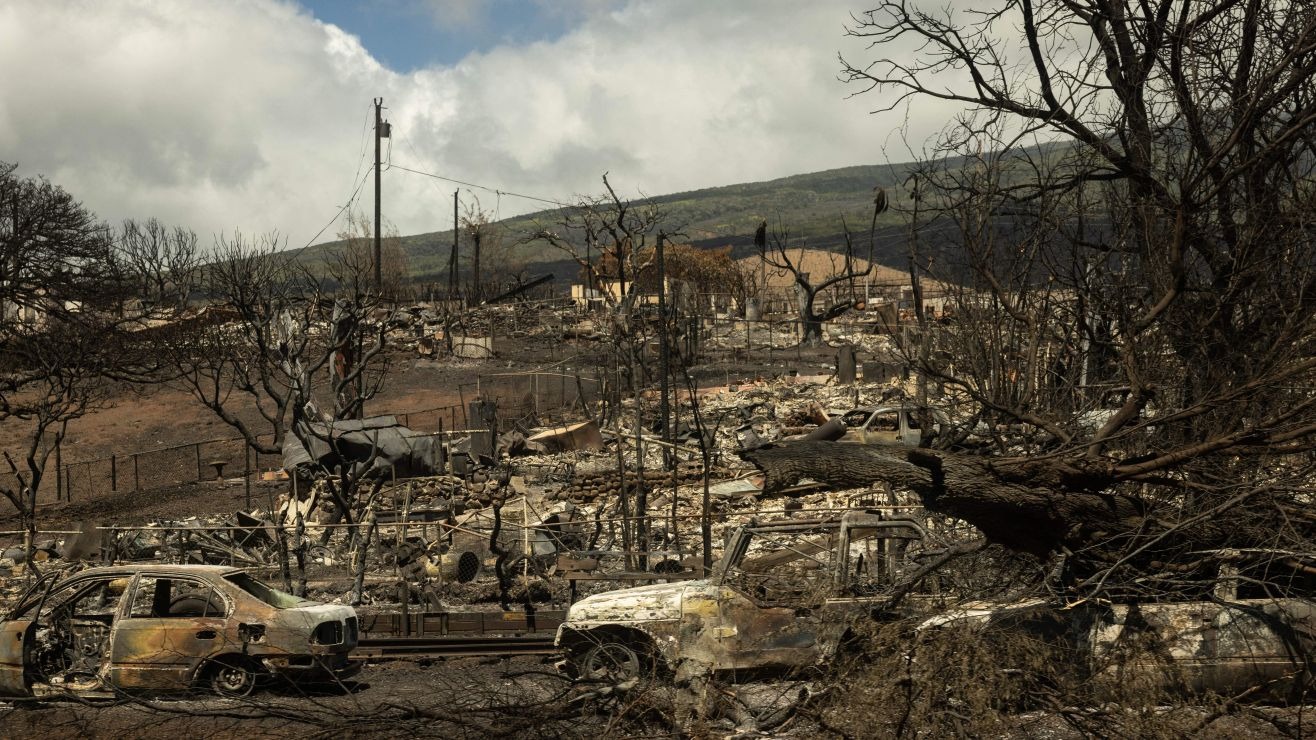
<point>65,636</point>
<point>171,625</point>
<point>770,612</point>
<point>16,638</point>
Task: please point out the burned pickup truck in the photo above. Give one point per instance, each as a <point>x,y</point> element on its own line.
<point>130,628</point>
<point>790,604</point>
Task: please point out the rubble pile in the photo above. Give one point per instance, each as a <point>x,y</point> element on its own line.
<point>589,487</point>
<point>866,332</point>
<point>763,411</point>
<point>464,531</point>
<point>424,328</point>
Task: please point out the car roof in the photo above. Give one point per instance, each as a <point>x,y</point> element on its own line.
<point>148,568</point>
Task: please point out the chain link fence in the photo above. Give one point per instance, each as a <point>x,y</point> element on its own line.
<point>535,398</point>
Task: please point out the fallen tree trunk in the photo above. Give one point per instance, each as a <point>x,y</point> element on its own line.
<point>1036,519</point>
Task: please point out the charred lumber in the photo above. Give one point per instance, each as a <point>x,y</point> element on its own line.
<point>519,289</point>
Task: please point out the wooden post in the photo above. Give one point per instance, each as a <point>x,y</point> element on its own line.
<point>246,477</point>
<point>280,540</point>
<point>200,474</point>
<point>299,550</point>
<point>60,483</point>
<point>641,489</point>
<point>68,485</point>
<point>525,545</point>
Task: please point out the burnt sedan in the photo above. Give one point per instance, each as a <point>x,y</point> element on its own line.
<point>163,628</point>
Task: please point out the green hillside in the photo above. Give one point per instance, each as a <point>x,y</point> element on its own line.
<point>811,207</point>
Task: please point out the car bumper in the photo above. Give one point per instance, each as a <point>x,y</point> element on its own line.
<point>314,668</point>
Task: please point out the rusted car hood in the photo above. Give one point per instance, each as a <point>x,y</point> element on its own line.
<point>639,604</point>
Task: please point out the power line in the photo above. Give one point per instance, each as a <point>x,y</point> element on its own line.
<point>361,157</point>
<point>350,200</point>
<point>496,191</point>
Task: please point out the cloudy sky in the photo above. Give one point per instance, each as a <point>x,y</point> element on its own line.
<point>254,115</point>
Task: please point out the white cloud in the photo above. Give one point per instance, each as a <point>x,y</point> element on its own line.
<point>250,113</point>
<point>456,14</point>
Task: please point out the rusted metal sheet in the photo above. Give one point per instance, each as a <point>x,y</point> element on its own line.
<point>582,436</point>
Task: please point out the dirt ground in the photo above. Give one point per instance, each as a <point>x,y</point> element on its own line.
<point>520,697</point>
<point>466,697</point>
<point>164,415</point>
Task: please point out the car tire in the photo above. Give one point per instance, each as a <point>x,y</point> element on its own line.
<point>232,677</point>
<point>610,662</point>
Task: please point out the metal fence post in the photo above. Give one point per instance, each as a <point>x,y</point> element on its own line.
<point>137,478</point>
<point>200,475</point>
<point>246,478</point>
<point>114,473</point>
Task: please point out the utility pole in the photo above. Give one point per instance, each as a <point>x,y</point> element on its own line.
<point>382,130</point>
<point>452,259</point>
<point>664,351</point>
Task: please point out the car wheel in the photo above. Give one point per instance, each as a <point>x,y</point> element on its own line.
<point>232,677</point>
<point>610,662</point>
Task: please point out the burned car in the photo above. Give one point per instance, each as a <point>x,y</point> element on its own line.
<point>1249,631</point>
<point>789,605</point>
<point>165,628</point>
<point>902,425</point>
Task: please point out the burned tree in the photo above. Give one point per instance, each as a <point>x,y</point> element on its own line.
<point>164,263</point>
<point>1134,328</point>
<point>227,357</point>
<point>288,355</point>
<point>774,249</point>
<point>62,338</point>
<point>49,378</point>
<point>481,231</point>
<point>349,265</point>
<point>613,229</point>
<point>256,355</point>
<point>54,254</point>
<point>618,232</point>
